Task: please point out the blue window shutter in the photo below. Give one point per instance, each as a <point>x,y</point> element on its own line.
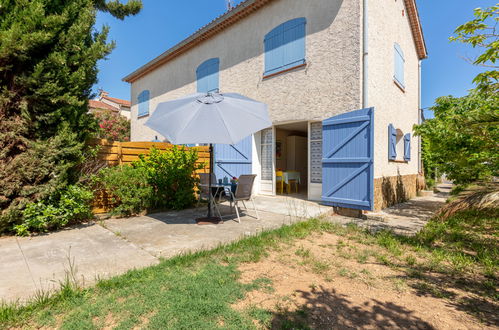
<point>285,46</point>
<point>407,147</point>
<point>399,65</point>
<point>207,75</point>
<point>392,142</point>
<point>143,100</point>
<point>348,160</point>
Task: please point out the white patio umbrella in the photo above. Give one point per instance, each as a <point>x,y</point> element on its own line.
<point>209,118</point>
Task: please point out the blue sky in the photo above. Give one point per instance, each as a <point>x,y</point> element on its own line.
<point>162,24</point>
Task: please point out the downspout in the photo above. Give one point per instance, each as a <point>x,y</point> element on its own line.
<point>365,54</point>
<point>420,119</point>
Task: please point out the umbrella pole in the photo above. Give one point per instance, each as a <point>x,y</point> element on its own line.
<point>209,181</point>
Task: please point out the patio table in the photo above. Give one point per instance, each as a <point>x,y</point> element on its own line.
<point>291,175</point>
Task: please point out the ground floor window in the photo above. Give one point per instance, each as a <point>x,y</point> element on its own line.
<point>267,154</point>
<point>316,152</point>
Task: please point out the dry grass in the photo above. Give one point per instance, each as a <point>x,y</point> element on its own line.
<point>482,196</point>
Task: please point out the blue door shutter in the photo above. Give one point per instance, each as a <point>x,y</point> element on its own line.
<point>392,142</point>
<point>347,164</point>
<point>143,100</point>
<point>285,46</point>
<point>407,147</point>
<point>207,75</point>
<point>233,160</point>
<point>399,65</point>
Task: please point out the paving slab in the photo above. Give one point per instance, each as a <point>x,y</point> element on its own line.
<point>171,233</point>
<point>40,263</point>
<point>291,205</point>
<point>409,217</point>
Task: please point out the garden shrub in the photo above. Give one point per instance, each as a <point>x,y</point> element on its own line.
<point>129,187</point>
<point>71,206</point>
<point>112,126</point>
<point>170,173</point>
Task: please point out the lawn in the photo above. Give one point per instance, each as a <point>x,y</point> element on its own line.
<point>308,275</point>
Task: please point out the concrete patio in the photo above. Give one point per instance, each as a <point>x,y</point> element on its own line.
<point>40,263</point>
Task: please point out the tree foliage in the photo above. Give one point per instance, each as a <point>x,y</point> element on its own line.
<point>48,55</point>
<point>482,32</point>
<point>462,139</point>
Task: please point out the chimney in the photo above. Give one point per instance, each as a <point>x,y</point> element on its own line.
<point>103,93</point>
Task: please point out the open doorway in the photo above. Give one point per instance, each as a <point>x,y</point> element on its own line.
<point>291,159</point>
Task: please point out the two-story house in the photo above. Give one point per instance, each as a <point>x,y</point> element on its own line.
<point>342,82</point>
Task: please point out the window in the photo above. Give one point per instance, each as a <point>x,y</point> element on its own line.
<point>207,76</point>
<point>143,100</point>
<point>399,145</point>
<point>316,152</point>
<point>285,46</point>
<point>266,145</point>
<point>399,65</point>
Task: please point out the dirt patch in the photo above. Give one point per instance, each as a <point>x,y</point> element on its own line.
<point>325,281</point>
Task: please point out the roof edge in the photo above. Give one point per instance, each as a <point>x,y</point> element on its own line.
<point>220,23</point>
<point>417,29</point>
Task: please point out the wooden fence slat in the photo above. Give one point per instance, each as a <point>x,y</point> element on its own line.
<point>124,153</point>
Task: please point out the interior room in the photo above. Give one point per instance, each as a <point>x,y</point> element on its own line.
<point>292,159</point>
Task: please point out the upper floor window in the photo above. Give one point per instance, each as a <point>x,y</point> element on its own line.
<point>207,76</point>
<point>285,46</point>
<point>399,65</point>
<point>143,101</point>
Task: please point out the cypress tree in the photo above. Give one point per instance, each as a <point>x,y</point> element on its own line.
<point>48,64</point>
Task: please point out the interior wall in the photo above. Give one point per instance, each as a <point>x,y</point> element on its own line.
<point>281,136</point>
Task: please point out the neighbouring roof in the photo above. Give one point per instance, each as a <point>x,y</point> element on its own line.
<point>94,104</point>
<point>241,11</point>
<point>118,101</point>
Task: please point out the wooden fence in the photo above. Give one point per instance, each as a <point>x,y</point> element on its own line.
<point>121,153</point>
<point>124,153</point>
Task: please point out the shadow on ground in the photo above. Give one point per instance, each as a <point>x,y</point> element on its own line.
<point>186,217</point>
<point>326,309</point>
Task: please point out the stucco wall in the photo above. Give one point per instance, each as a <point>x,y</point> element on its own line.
<point>329,84</point>
<point>388,23</point>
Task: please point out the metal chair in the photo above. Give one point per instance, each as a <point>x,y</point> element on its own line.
<point>204,191</point>
<point>243,193</point>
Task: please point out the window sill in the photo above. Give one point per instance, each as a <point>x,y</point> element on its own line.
<point>142,116</point>
<point>399,85</point>
<point>284,71</point>
<point>399,161</point>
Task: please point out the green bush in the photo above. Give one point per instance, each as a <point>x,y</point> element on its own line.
<point>129,187</point>
<point>170,173</point>
<point>158,180</point>
<point>72,205</point>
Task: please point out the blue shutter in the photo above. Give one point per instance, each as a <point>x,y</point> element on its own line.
<point>399,65</point>
<point>207,75</point>
<point>392,142</point>
<point>143,100</point>
<point>407,147</point>
<point>285,46</point>
<point>347,164</point>
<point>233,160</point>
